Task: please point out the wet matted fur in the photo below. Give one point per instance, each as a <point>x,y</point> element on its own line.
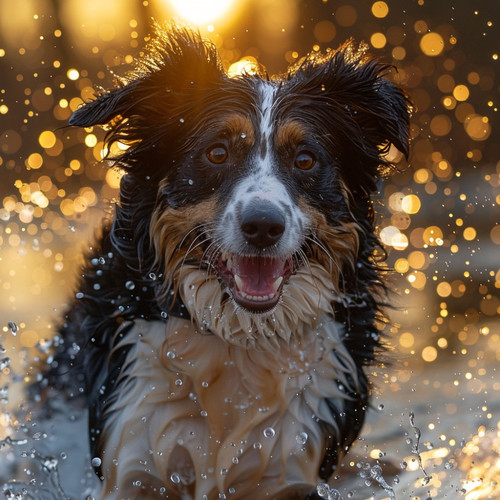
<point>228,311</point>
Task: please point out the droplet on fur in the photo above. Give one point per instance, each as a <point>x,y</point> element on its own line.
<point>175,478</point>
<point>269,432</point>
<point>170,355</point>
<point>96,462</point>
<point>129,285</point>
<point>301,438</point>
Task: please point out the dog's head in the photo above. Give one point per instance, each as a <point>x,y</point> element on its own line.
<point>259,186</point>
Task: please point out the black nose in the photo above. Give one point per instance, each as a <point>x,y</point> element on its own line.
<point>262,224</point>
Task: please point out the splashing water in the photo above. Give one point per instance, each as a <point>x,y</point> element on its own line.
<point>415,448</point>
<point>324,491</point>
<point>374,473</point>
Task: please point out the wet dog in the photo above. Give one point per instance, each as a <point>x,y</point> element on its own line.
<point>227,312</point>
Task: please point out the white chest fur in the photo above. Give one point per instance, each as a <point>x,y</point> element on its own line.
<point>200,417</point>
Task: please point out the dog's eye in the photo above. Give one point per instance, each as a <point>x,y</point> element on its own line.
<point>217,154</point>
<point>305,160</point>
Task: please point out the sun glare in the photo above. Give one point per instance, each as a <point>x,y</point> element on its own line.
<point>201,11</point>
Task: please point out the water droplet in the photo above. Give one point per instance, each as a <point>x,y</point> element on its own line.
<point>170,355</point>
<point>13,327</point>
<point>129,285</point>
<point>175,478</point>
<point>269,432</point>
<point>380,406</point>
<point>152,276</point>
<point>301,438</point>
<point>190,182</point>
<point>181,120</point>
<point>243,135</point>
<point>4,363</point>
<point>204,384</point>
<point>96,462</point>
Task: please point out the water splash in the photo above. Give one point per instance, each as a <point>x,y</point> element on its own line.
<point>324,491</point>
<point>415,448</point>
<point>13,328</point>
<point>374,473</point>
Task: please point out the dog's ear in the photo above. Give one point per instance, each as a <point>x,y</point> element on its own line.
<point>368,111</point>
<point>176,60</point>
<point>105,107</point>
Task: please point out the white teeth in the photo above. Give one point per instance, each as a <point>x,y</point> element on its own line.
<point>277,283</point>
<point>238,281</point>
<point>257,298</point>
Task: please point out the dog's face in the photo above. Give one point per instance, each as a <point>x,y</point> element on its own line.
<point>253,181</point>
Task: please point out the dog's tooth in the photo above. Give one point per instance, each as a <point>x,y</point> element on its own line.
<point>238,281</point>
<point>277,283</point>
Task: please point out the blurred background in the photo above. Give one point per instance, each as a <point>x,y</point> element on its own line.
<point>439,219</point>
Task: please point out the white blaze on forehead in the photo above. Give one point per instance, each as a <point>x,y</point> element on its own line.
<point>267,93</point>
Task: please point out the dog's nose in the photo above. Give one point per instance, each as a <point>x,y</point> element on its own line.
<point>262,224</point>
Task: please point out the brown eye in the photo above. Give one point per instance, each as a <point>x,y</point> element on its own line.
<point>305,160</point>
<point>217,154</point>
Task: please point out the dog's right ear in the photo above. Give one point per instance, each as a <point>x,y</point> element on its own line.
<point>176,61</point>
<point>104,108</point>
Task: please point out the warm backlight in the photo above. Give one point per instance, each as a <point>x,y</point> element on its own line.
<point>201,11</point>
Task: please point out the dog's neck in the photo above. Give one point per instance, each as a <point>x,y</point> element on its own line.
<point>305,304</point>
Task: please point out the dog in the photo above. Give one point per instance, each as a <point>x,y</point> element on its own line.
<point>226,315</point>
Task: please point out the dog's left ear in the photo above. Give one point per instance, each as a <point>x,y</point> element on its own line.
<point>369,112</point>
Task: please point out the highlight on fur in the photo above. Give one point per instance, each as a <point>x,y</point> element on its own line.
<point>227,312</point>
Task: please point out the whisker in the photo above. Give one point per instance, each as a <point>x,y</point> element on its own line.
<point>332,260</point>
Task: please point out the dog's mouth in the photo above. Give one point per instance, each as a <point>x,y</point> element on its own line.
<point>255,283</point>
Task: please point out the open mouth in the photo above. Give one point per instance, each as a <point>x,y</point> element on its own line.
<point>255,283</point>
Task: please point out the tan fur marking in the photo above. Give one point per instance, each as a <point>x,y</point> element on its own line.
<point>290,133</point>
<point>237,125</point>
<point>175,238</point>
<point>340,243</point>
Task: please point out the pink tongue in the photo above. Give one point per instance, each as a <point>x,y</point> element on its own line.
<point>258,274</point>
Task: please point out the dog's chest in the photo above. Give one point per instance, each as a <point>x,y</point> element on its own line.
<point>207,415</point>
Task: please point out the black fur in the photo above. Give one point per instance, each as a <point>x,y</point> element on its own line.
<point>162,109</point>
